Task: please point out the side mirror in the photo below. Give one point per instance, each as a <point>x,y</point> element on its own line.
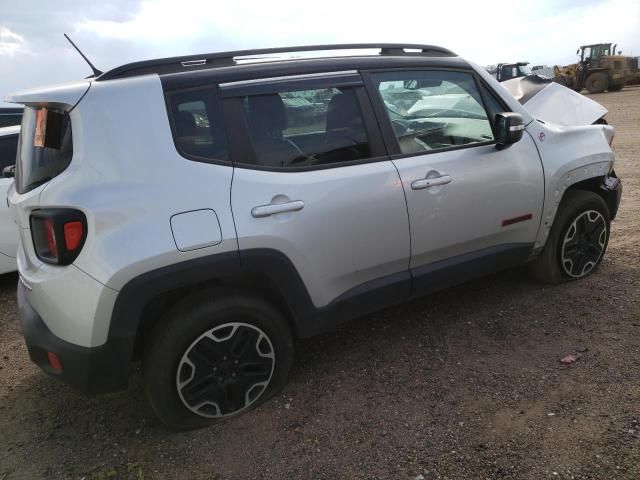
<point>8,172</point>
<point>578,52</point>
<point>509,128</point>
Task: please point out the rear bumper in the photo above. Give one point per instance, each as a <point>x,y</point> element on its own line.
<point>90,370</point>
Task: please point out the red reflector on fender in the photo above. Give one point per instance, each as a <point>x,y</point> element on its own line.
<point>54,361</point>
<point>72,235</point>
<point>521,218</point>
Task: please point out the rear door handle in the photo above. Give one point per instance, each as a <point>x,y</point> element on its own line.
<point>273,208</point>
<point>430,182</point>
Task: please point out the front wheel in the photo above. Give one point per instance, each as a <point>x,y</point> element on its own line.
<point>577,240</point>
<point>214,356</point>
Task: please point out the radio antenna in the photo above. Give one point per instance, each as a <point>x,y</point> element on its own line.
<point>96,72</point>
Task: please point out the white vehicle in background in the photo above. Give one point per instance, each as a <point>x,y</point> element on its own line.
<point>8,228</point>
<point>542,70</point>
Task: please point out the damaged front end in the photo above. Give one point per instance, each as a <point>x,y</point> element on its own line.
<point>553,103</point>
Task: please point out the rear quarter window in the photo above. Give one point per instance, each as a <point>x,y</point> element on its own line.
<point>196,125</point>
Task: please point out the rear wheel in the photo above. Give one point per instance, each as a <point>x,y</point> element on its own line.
<point>214,356</point>
<point>577,240</point>
<point>616,88</point>
<point>597,82</point>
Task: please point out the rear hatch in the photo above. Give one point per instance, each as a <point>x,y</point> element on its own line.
<point>45,149</point>
<point>46,144</point>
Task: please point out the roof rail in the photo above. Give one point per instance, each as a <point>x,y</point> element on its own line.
<point>225,59</point>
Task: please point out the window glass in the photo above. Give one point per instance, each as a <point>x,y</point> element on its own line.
<point>10,119</point>
<point>45,147</point>
<point>197,127</point>
<point>306,127</point>
<point>8,148</point>
<point>434,110</point>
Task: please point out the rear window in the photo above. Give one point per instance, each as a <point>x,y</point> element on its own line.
<point>45,147</point>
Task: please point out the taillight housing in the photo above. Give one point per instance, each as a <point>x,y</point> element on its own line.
<point>58,234</point>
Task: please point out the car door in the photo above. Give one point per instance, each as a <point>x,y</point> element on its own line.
<point>473,208</point>
<point>312,182</point>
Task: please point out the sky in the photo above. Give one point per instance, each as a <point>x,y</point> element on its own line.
<point>33,51</point>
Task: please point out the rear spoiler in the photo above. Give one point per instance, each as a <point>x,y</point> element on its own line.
<point>64,96</point>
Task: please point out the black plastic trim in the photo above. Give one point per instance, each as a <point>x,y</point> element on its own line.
<point>302,66</point>
<point>461,268</point>
<point>223,59</point>
<point>91,370</point>
<point>106,368</point>
<point>286,84</point>
<point>613,193</point>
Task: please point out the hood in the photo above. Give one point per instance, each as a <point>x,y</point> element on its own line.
<point>554,103</point>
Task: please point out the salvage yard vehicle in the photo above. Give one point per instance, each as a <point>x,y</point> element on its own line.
<point>8,228</point>
<point>507,71</point>
<point>205,247</point>
<point>597,70</point>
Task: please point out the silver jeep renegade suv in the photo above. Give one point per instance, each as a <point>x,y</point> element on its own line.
<point>200,213</point>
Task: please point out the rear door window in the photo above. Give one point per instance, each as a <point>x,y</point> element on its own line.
<point>303,128</point>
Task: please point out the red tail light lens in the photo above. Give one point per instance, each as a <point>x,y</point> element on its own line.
<point>58,234</point>
<point>50,237</point>
<point>73,234</point>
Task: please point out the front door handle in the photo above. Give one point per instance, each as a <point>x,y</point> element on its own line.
<point>273,208</point>
<point>431,181</point>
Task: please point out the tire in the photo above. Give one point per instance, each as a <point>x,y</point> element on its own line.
<point>560,259</point>
<point>616,88</point>
<point>564,80</point>
<point>243,339</point>
<point>597,82</point>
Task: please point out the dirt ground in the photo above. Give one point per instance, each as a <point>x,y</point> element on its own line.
<point>463,384</point>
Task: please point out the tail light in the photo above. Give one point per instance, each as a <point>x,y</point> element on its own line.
<point>58,234</point>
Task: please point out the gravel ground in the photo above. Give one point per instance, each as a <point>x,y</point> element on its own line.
<point>462,384</point>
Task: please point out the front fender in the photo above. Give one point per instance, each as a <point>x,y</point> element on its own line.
<point>570,155</point>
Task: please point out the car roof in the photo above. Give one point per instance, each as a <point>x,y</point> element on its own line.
<point>304,66</point>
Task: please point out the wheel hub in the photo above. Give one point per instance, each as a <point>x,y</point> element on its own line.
<point>583,243</point>
<point>225,370</point>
